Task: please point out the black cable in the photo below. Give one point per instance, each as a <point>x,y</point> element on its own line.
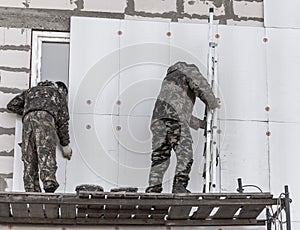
<point>252,185</point>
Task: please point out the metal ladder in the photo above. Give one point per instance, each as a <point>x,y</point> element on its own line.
<point>211,150</point>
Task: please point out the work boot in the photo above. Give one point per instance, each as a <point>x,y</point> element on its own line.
<point>50,189</point>
<point>154,189</point>
<point>180,189</point>
<point>89,188</point>
<point>124,189</point>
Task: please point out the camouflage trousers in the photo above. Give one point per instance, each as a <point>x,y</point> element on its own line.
<point>170,134</point>
<point>39,151</point>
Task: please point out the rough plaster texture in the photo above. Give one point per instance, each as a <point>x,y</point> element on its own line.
<point>53,4</point>
<point>240,11</point>
<point>243,23</point>
<point>7,121</point>
<point>6,95</point>
<point>7,143</point>
<point>202,7</point>
<point>15,36</point>
<point>117,6</point>
<point>19,80</point>
<point>248,10</point>
<point>6,164</point>
<point>155,6</point>
<point>14,58</point>
<point>12,3</point>
<point>141,18</point>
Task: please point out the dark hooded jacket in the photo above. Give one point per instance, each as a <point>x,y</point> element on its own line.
<point>178,93</point>
<point>48,97</point>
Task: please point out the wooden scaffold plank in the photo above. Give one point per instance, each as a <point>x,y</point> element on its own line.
<point>250,211</point>
<point>19,208</point>
<point>157,211</point>
<point>112,208</point>
<point>92,210</point>
<point>4,207</point>
<point>203,212</point>
<point>181,212</point>
<point>128,211</point>
<point>130,208</point>
<point>68,211</point>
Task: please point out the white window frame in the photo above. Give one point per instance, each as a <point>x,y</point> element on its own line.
<point>38,37</point>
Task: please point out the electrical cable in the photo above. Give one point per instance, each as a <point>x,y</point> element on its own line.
<point>252,185</point>
<point>276,217</point>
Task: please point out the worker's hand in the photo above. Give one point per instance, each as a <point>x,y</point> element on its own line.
<point>196,123</point>
<point>202,124</point>
<point>218,103</point>
<point>67,152</point>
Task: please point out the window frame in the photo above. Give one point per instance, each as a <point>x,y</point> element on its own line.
<point>38,37</point>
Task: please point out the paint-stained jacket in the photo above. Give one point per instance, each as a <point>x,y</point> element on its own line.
<point>46,96</point>
<point>178,93</point>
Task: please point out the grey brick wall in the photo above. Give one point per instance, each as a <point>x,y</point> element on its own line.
<point>14,77</point>
<point>243,12</point>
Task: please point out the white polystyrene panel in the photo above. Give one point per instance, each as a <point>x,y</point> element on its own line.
<point>142,67</point>
<point>284,155</point>
<point>244,154</point>
<point>137,32</point>
<point>94,59</point>
<point>95,157</point>
<point>242,73</point>
<point>18,184</point>
<point>144,59</point>
<point>135,155</point>
<point>139,88</point>
<point>135,137</point>
<point>283,59</point>
<point>279,13</point>
<point>189,43</point>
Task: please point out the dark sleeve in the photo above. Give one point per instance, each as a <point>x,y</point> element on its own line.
<point>199,85</point>
<point>62,123</point>
<point>196,123</point>
<point>16,104</point>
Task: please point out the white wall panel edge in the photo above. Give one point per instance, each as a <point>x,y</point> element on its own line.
<point>282,67</point>
<point>281,14</point>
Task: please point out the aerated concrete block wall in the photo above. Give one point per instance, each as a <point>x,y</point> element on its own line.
<point>20,17</point>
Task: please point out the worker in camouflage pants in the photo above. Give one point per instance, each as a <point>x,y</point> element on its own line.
<point>45,117</point>
<point>171,122</point>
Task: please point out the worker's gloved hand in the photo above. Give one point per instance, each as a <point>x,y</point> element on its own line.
<point>196,123</point>
<point>218,103</point>
<point>202,124</point>
<point>67,152</point>
<point>215,105</point>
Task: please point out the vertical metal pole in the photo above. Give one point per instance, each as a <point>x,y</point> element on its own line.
<point>214,85</point>
<point>209,113</point>
<point>287,207</point>
<point>269,220</point>
<point>240,185</point>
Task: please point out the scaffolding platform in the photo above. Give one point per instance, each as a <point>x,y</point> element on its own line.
<point>126,208</point>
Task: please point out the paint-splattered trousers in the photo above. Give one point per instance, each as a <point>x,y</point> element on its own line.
<point>39,151</point>
<point>170,134</point>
